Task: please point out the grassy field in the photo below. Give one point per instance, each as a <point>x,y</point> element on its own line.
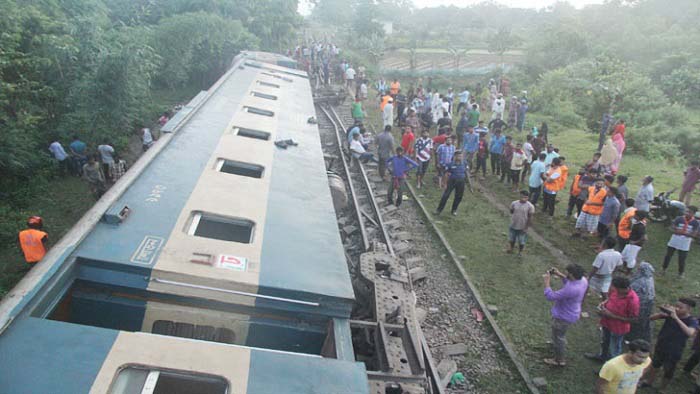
<point>515,285</point>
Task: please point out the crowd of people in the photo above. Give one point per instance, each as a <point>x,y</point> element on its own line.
<point>102,166</point>
<point>453,132</point>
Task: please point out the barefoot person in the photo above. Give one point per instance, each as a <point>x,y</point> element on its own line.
<point>521,212</point>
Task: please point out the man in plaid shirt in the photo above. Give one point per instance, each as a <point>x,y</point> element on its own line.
<point>445,153</point>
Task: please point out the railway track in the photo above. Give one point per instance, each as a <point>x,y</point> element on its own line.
<point>414,301</point>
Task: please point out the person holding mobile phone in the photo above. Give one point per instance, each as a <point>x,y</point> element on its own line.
<point>679,325</point>
<point>566,309</point>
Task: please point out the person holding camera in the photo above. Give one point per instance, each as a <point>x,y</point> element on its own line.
<point>566,309</point>
<point>679,325</point>
<point>617,313</point>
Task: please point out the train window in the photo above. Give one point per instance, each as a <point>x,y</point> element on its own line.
<point>268,84</point>
<point>250,133</point>
<point>222,228</point>
<point>263,95</point>
<point>145,380</point>
<point>240,168</point>
<point>258,111</point>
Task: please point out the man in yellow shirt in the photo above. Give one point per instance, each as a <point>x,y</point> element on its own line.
<point>621,374</point>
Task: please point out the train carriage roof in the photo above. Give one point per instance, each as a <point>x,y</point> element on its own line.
<point>289,245</point>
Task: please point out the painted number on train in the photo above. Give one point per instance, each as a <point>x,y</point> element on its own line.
<point>156,193</point>
<point>230,262</point>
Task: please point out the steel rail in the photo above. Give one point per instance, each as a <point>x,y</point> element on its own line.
<point>477,296</point>
<point>373,201</point>
<point>348,175</point>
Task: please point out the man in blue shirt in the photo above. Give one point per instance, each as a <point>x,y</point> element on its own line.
<point>399,166</point>
<point>537,169</point>
<point>611,213</point>
<point>498,141</point>
<point>444,153</point>
<point>470,145</point>
<point>457,175</point>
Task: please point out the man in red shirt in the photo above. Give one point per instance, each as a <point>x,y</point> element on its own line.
<point>407,141</point>
<point>621,308</point>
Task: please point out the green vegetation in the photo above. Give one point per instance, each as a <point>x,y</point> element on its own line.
<point>101,69</point>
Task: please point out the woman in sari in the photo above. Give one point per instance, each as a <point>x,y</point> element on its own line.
<point>618,139</point>
<point>642,282</point>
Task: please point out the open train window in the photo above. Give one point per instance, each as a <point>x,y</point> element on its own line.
<point>251,133</point>
<point>222,228</point>
<point>263,95</point>
<point>240,168</point>
<point>146,380</point>
<point>258,111</point>
<point>268,84</point>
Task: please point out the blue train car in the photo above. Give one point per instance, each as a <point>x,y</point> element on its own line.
<point>213,266</point>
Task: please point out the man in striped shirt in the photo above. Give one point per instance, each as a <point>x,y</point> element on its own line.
<point>423,148</point>
<point>445,153</point>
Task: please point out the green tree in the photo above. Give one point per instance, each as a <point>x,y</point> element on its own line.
<point>502,41</point>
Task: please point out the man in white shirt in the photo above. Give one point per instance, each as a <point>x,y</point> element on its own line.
<point>499,106</point>
<point>645,195</point>
<point>60,155</point>
<point>529,151</point>
<point>107,156</point>
<point>358,151</point>
<point>463,100</point>
<point>147,138</point>
<point>604,265</point>
<point>388,113</point>
<point>350,78</point>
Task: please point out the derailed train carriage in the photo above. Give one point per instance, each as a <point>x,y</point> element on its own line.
<point>214,266</point>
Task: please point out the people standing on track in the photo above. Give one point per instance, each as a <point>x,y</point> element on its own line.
<point>385,146</point>
<point>506,157</point>
<point>470,145</point>
<point>566,309</point>
<point>106,155</point>
<point>32,241</point>
<point>620,375</point>
<point>423,148</point>
<point>401,100</point>
<point>388,112</point>
<point>537,172</point>
<point>496,145</point>
<point>445,154</point>
<point>679,325</point>
<point>356,111</point>
<point>645,195</point>
<point>399,166</point>
<point>590,213</point>
<point>482,153</point>
<point>616,312</point>
<point>684,229</point>
<point>690,180</point>
<point>552,184</point>
<point>93,174</point>
<point>517,163</point>
<point>407,141</point>
<point>604,265</point>
<point>60,155</point>
<point>456,173</point>
<point>78,152</point>
<point>521,212</point>
<point>610,214</point>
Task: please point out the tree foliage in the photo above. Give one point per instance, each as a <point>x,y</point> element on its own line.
<point>90,67</point>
